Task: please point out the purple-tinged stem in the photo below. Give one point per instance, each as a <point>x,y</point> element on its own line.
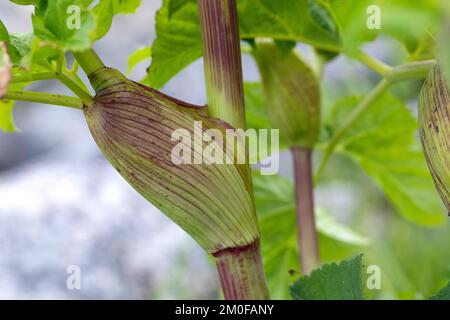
<point>307,234</point>
<point>222,60</point>
<point>241,273</point>
<point>240,269</point>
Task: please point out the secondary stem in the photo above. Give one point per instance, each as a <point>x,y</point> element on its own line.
<point>240,269</point>
<point>307,234</point>
<point>89,61</point>
<point>410,71</point>
<point>29,77</point>
<point>368,100</point>
<point>59,75</point>
<point>47,98</point>
<point>374,64</point>
<point>241,273</point>
<point>75,88</point>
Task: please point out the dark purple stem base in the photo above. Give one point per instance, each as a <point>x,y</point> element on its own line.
<point>241,273</point>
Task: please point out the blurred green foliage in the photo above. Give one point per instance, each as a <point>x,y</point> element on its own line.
<point>343,281</point>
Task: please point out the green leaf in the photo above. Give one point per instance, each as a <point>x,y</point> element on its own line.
<point>285,20</point>
<point>285,47</point>
<point>328,226</point>
<point>274,199</point>
<point>137,57</point>
<point>58,29</point>
<point>322,16</point>
<point>407,21</point>
<point>444,294</point>
<point>175,5</point>
<point>341,281</point>
<point>126,6</point>
<point>66,25</point>
<point>4,35</point>
<point>104,13</point>
<point>6,116</point>
<point>25,2</point>
<point>178,41</point>
<point>177,44</point>
<point>20,47</point>
<point>105,10</point>
<point>22,42</point>
<point>410,21</point>
<point>396,252</point>
<point>25,49</point>
<point>383,142</point>
<point>16,44</point>
<point>352,19</point>
<point>41,55</point>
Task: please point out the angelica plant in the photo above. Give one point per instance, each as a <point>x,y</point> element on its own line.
<point>133,125</point>
<point>263,232</point>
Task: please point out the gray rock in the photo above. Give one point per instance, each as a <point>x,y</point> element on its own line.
<point>62,210</point>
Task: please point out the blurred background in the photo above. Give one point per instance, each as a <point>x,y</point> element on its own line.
<point>62,204</point>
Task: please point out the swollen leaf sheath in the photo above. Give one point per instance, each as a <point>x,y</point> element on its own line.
<point>434,123</point>
<point>291,93</point>
<point>133,124</point>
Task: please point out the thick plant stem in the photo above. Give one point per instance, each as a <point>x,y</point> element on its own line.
<point>241,273</point>
<point>222,60</point>
<point>89,61</point>
<point>307,234</point>
<point>240,269</point>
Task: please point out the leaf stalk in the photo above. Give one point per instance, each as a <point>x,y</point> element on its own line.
<point>241,273</point>
<point>46,98</point>
<point>29,77</point>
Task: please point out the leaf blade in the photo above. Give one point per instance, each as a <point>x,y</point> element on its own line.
<point>443,294</point>
<point>383,142</point>
<point>178,41</point>
<point>341,281</point>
